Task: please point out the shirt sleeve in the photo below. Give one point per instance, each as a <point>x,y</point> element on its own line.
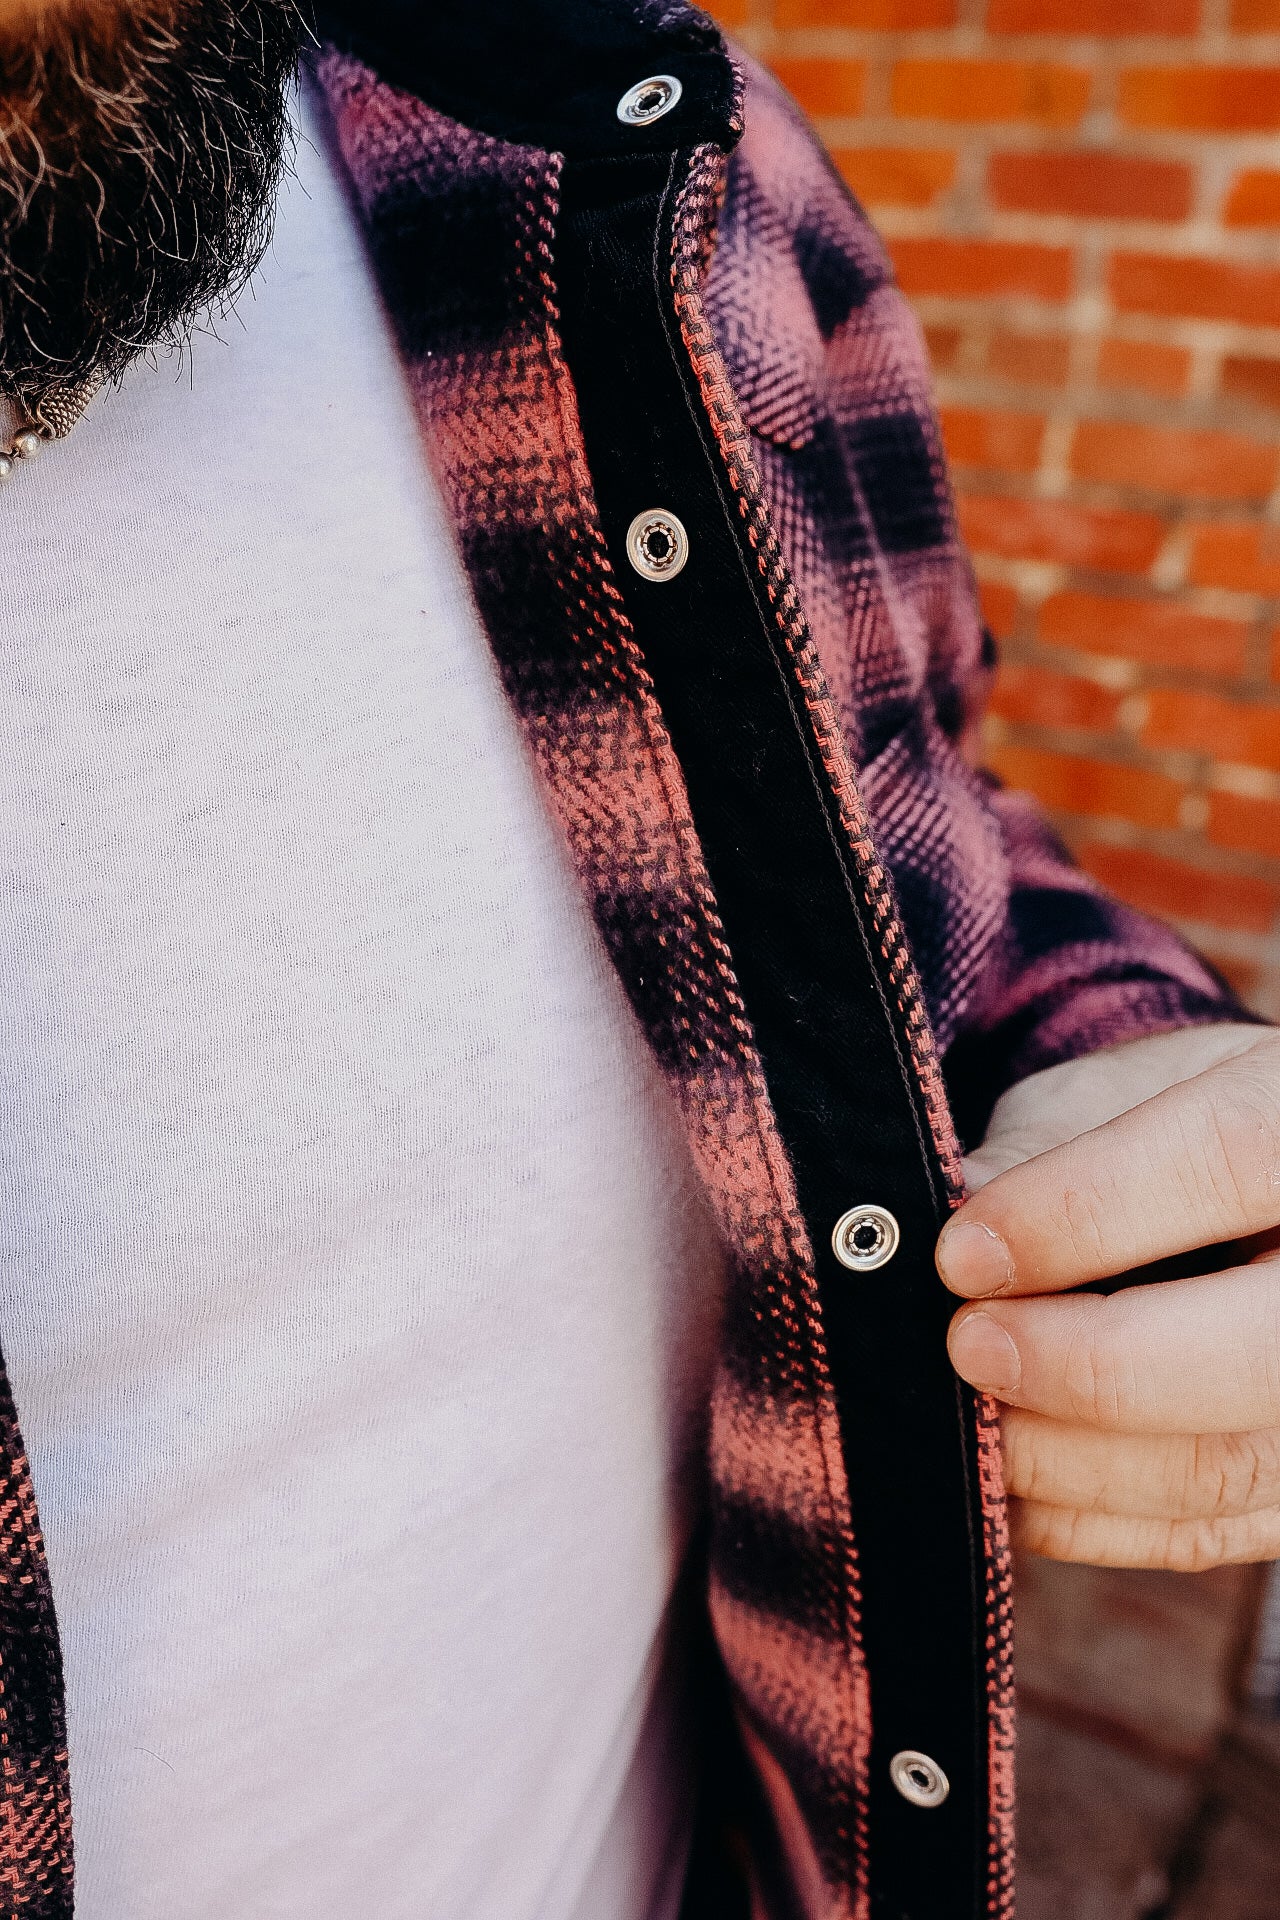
<point>1075,970</point>
<point>1024,960</point>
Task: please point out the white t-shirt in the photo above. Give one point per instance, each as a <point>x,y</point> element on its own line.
<point>355,1286</point>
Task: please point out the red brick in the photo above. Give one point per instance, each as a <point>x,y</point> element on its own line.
<point>1150,630</point>
<point>999,606</point>
<point>1097,186</point>
<point>1074,784</point>
<point>1035,359</point>
<point>980,269</point>
<point>1254,200</point>
<point>1256,16</point>
<point>896,176</point>
<point>1149,364</point>
<point>1109,539</point>
<point>1243,555</point>
<point>833,87</point>
<point>1233,730</point>
<point>1247,826</point>
<point>982,437</point>
<point>1201,98</point>
<point>1158,885</point>
<point>944,345</point>
<point>1102,17</point>
<point>1252,378</point>
<point>1171,460</point>
<point>732,13</point>
<point>1038,698</point>
<point>871,14</point>
<point>1197,288</point>
<point>992,90</point>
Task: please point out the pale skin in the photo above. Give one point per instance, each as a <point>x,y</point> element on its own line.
<point>1141,1427</point>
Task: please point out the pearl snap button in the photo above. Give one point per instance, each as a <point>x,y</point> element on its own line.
<point>649,99</point>
<point>919,1779</point>
<point>657,544</point>
<point>865,1238</point>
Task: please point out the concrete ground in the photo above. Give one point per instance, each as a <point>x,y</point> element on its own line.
<point>1146,1792</point>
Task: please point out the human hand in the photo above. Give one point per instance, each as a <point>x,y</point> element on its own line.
<point>1141,1426</point>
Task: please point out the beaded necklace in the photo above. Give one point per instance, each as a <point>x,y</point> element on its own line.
<point>50,418</point>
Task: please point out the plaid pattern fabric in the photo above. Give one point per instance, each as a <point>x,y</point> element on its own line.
<point>35,1800</point>
<point>813,378</point>
<point>1014,946</point>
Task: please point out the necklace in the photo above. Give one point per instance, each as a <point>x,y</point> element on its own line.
<point>49,418</point>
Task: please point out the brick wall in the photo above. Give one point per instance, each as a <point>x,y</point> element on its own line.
<point>1083,200</point>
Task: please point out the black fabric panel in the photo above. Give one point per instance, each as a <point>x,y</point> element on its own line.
<point>820,476</point>
<point>1046,918</point>
<point>549,72</point>
<point>733,1824</point>
<point>647,959</point>
<point>895,468</point>
<point>763,1560</point>
<point>521,607</point>
<point>796,926</point>
<point>476,229</point>
<point>831,278</point>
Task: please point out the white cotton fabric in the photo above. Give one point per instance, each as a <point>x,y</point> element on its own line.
<point>355,1287</point>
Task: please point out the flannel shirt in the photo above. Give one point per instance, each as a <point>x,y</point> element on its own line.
<point>838,936</point>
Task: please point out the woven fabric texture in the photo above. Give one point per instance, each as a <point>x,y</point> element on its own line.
<point>816,388</point>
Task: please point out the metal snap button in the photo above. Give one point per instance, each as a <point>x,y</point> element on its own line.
<point>657,544</point>
<point>865,1238</point>
<point>919,1779</point>
<point>649,99</point>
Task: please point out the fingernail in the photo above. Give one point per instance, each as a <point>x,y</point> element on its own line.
<point>973,1260</point>
<point>983,1353</point>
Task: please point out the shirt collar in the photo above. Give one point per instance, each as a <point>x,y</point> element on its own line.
<point>549,73</point>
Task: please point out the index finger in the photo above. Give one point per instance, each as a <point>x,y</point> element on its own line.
<point>1196,1165</point>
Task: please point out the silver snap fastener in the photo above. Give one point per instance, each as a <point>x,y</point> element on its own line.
<point>865,1238</point>
<point>919,1779</point>
<point>657,544</point>
<point>649,99</point>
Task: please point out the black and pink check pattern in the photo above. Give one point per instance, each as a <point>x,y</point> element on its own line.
<point>810,368</point>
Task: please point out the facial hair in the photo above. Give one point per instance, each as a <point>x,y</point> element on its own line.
<point>141,146</point>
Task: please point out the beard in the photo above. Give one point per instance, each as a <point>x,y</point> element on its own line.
<point>141,146</point>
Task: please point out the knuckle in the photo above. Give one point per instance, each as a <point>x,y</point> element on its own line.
<point>1018,1457</point>
<point>1082,1221</point>
<point>1248,1471</point>
<point>1242,1470</point>
<point>1227,1475</point>
<point>1198,1545</point>
<point>1052,1531</point>
<point>1260,1535</point>
<point>1239,1156</point>
<point>1264,1353</point>
<point>1034,1468</point>
<point>1220,1473</point>
<point>1098,1370</point>
<point>1201,1545</point>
